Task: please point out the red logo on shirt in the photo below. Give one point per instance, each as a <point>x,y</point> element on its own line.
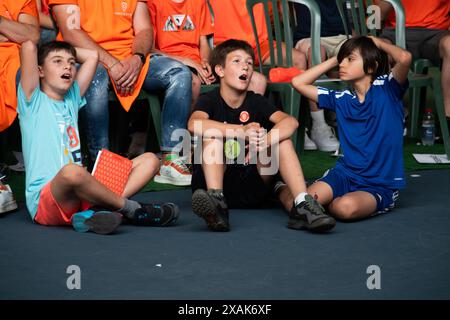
<point>244,116</point>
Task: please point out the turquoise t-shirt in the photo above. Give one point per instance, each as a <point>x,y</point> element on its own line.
<point>50,138</point>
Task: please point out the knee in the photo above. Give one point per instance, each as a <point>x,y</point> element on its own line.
<point>344,208</point>
<point>150,159</point>
<point>258,83</point>
<point>299,59</point>
<point>444,46</point>
<point>72,174</point>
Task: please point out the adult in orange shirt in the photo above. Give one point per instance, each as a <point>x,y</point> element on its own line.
<point>427,35</point>
<point>181,30</point>
<point>48,32</point>
<point>18,23</point>
<point>232,21</point>
<point>122,33</point>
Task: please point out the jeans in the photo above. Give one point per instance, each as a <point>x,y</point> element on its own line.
<point>164,74</point>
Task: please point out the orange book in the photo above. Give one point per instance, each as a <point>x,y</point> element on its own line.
<point>112,170</point>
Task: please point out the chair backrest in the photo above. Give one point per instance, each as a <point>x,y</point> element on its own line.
<point>357,10</point>
<point>281,30</point>
<point>277,32</point>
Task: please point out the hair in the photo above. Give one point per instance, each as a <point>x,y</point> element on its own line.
<point>52,46</point>
<point>219,54</point>
<point>375,61</point>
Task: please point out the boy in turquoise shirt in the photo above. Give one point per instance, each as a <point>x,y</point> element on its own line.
<point>58,189</point>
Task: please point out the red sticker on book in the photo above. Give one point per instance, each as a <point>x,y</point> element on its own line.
<point>244,116</point>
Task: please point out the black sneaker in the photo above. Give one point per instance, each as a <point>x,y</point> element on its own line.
<point>155,215</point>
<point>311,216</point>
<point>101,222</point>
<point>211,206</point>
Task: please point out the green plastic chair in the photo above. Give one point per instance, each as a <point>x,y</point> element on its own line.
<point>417,77</point>
<point>278,33</point>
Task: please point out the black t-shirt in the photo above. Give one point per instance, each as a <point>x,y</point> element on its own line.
<point>255,108</point>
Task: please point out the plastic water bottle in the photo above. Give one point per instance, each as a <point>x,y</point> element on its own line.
<point>428,128</point>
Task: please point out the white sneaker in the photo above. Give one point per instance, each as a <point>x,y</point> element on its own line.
<point>324,138</point>
<point>7,201</point>
<point>174,172</point>
<point>309,144</point>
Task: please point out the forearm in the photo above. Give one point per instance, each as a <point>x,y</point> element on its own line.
<point>210,128</point>
<point>205,49</point>
<point>143,42</point>
<point>282,130</point>
<point>79,38</point>
<point>18,32</point>
<point>385,8</point>
<point>309,76</point>
<point>398,54</point>
<point>45,21</point>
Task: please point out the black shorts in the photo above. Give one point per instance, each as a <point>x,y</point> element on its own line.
<point>422,43</point>
<point>243,186</point>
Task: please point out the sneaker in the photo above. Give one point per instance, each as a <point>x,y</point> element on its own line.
<point>211,206</point>
<point>311,216</point>
<point>174,172</point>
<point>155,215</point>
<point>325,138</point>
<point>101,222</point>
<point>309,144</point>
<point>7,201</point>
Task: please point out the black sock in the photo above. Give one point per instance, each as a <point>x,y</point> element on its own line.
<point>129,208</point>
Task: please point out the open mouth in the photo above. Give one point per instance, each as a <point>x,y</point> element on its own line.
<point>243,77</point>
<point>66,76</point>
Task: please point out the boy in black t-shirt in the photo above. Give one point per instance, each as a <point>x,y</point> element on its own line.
<point>245,142</point>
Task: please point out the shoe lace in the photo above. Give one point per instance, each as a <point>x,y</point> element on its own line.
<point>329,131</point>
<point>180,164</point>
<point>313,206</point>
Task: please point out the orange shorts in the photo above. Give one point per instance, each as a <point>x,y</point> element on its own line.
<point>265,52</point>
<point>49,211</point>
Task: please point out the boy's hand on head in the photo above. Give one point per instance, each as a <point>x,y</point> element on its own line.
<point>376,40</point>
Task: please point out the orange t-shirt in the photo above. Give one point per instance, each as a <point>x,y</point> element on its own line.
<point>178,26</point>
<point>430,14</point>
<point>10,60</point>
<point>232,21</point>
<point>110,24</point>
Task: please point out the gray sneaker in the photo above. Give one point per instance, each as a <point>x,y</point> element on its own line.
<point>211,206</point>
<point>311,216</point>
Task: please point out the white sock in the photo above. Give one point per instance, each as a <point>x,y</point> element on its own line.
<point>300,198</point>
<point>318,118</point>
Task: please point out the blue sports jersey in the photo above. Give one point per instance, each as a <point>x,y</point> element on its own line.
<point>371,132</point>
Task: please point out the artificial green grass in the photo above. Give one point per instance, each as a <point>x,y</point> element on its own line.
<point>314,164</point>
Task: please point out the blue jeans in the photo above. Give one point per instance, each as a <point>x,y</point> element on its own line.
<point>164,74</point>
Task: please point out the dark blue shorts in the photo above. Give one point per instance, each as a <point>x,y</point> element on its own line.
<point>342,184</point>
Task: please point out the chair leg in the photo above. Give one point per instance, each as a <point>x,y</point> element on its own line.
<point>440,110</point>
<point>414,112</point>
<point>155,110</point>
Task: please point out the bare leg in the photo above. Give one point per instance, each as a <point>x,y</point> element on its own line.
<point>353,205</point>
<point>196,86</point>
<point>144,168</point>
<point>298,58</point>
<point>444,50</point>
<point>74,183</point>
<point>213,165</point>
<point>322,191</point>
<point>258,83</point>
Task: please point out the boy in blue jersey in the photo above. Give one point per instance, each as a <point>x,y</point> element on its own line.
<point>58,189</point>
<point>370,121</point>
